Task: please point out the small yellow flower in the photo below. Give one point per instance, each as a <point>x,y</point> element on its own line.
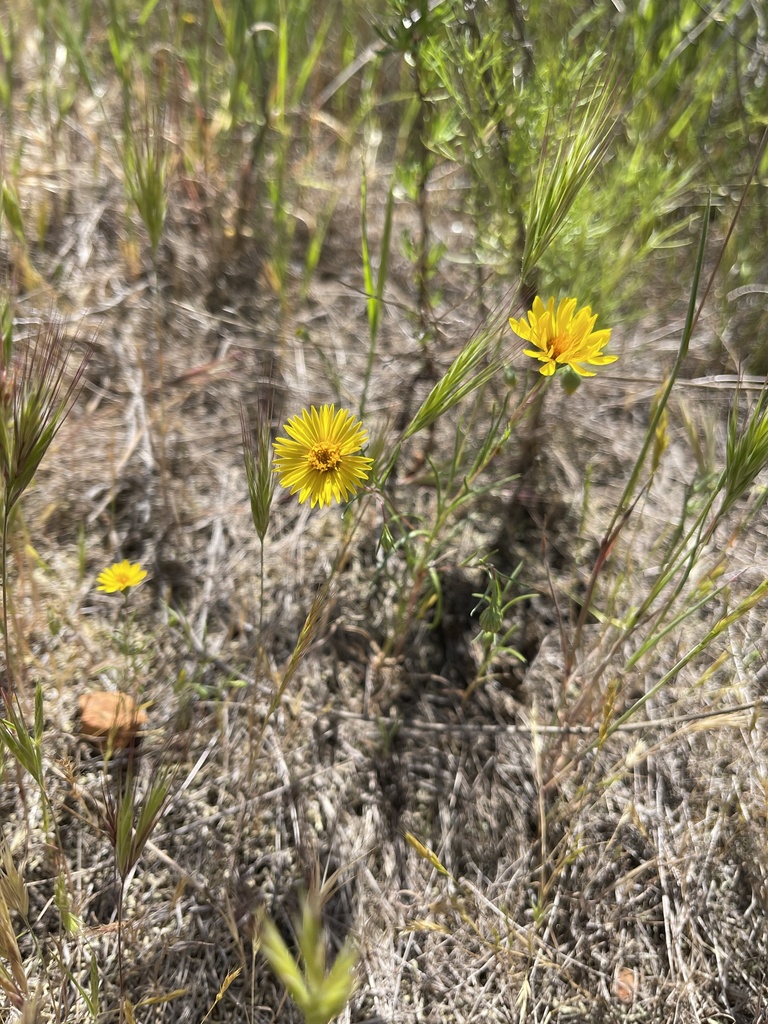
<point>319,461</point>
<point>562,339</point>
<point>121,576</point>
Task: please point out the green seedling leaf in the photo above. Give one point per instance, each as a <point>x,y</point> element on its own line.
<point>9,207</point>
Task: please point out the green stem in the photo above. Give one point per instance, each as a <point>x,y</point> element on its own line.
<point>120,967</point>
<point>160,348</point>
<point>722,624</point>
<point>261,597</point>
<point>7,686</point>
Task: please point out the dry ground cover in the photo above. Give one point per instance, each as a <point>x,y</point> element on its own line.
<point>490,737</point>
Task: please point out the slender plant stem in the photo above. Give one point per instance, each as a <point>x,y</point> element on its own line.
<point>120,968</point>
<point>7,687</point>
<point>261,597</point>
<point>160,386</point>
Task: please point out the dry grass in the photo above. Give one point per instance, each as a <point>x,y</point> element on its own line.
<point>586,881</point>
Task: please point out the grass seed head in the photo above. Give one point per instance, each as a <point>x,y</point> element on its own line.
<point>258,468</point>
<point>146,167</point>
<point>35,399</point>
<point>319,993</point>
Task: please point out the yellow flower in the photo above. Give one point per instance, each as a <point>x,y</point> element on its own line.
<point>121,576</point>
<point>319,460</point>
<point>562,339</point>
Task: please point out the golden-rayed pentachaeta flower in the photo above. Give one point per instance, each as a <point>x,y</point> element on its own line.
<point>563,337</point>
<point>318,459</point>
<point>121,576</point>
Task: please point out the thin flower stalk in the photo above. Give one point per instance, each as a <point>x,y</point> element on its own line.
<point>261,484</point>
<point>682,551</point>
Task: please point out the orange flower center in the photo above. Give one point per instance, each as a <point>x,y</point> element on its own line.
<point>559,344</point>
<point>324,456</point>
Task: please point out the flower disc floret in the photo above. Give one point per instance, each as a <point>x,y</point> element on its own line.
<point>318,458</point>
<point>562,337</point>
<point>120,576</point>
